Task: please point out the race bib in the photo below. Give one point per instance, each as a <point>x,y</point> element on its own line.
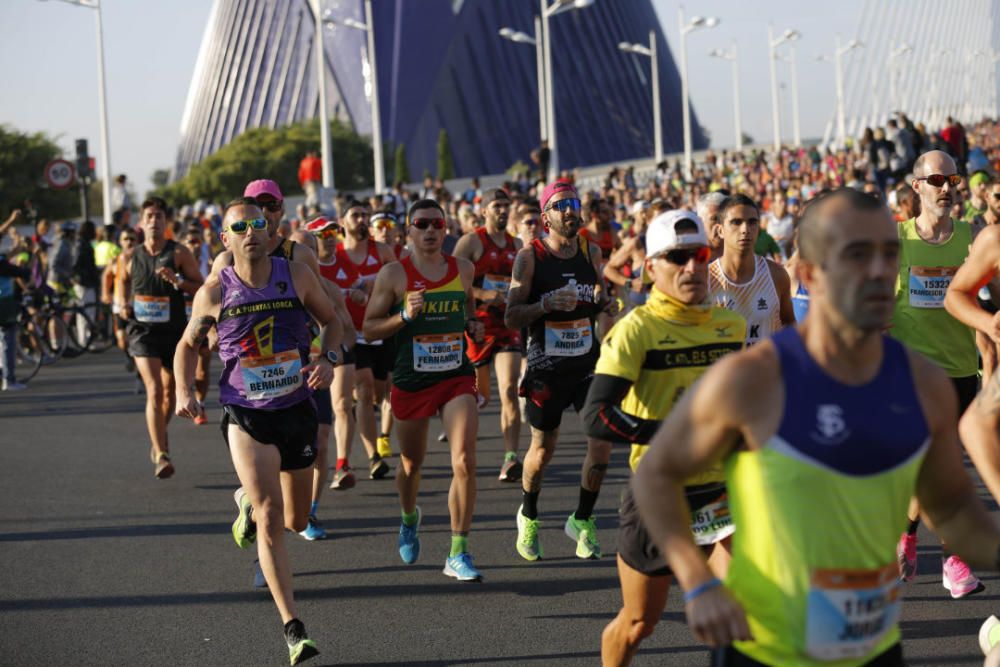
<point>271,377</point>
<point>151,309</point>
<point>497,283</point>
<point>712,523</point>
<point>850,611</point>
<point>437,353</point>
<point>568,339</point>
<point>928,285</point>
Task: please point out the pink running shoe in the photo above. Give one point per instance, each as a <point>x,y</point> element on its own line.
<point>958,578</point>
<point>906,556</point>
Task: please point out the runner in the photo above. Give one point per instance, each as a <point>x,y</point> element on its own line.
<point>756,288</point>
<point>152,302</point>
<point>933,247</point>
<point>527,220</point>
<point>114,273</point>
<point>639,376</point>
<point>556,293</point>
<point>193,239</point>
<point>600,232</point>
<point>261,307</point>
<point>492,250</point>
<point>625,264</point>
<point>425,303</point>
<point>829,419</point>
<point>385,229</point>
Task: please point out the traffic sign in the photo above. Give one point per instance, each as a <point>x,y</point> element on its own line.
<point>60,174</point>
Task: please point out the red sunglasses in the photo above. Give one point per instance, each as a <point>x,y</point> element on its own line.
<point>423,223</point>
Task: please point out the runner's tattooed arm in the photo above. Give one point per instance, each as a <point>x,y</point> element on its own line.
<point>205,311</point>
<point>520,313</point>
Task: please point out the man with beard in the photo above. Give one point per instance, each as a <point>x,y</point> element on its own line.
<point>556,292</point>
<point>492,250</point>
<point>934,246</point>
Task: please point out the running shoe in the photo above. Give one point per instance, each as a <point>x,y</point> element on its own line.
<point>244,528</point>
<point>989,634</point>
<point>379,469</point>
<point>383,446</point>
<point>906,556</point>
<point>409,541</point>
<point>527,537</point>
<point>442,437</point>
<point>300,647</point>
<point>343,479</point>
<point>460,567</point>
<point>201,419</point>
<point>510,471</point>
<point>313,530</point>
<point>958,578</point>
<point>164,468</point>
<point>584,533</point>
<point>13,386</point>
<point>258,576</point>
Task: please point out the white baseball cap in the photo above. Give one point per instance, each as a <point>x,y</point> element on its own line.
<point>662,235</point>
<point>639,206</point>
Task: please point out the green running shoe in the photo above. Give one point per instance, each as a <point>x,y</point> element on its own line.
<point>584,533</point>
<point>300,647</point>
<point>244,528</point>
<point>527,537</point>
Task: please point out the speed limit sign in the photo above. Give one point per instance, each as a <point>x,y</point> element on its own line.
<point>60,174</point>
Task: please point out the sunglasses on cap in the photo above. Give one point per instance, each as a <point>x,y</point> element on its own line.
<point>241,226</point>
<point>938,180</point>
<point>330,232</point>
<point>423,223</point>
<point>272,206</point>
<point>564,205</point>
<point>682,256</point>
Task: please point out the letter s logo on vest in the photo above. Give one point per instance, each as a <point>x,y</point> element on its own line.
<point>831,429</point>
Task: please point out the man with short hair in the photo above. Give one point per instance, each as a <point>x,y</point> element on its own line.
<point>755,287</point>
<point>311,177</point>
<point>261,307</point>
<point>625,264</point>
<point>829,419</point>
<point>425,304</point>
<point>152,301</point>
<point>707,208</point>
<point>492,249</point>
<point>527,220</point>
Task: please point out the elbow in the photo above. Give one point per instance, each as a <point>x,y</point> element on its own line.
<point>591,418</point>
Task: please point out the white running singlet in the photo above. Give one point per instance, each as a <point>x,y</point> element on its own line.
<point>756,299</point>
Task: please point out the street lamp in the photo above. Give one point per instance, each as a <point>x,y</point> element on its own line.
<point>793,74</point>
<point>548,11</point>
<point>369,28</point>
<point>519,37</point>
<point>103,102</point>
<point>839,74</point>
<point>772,44</point>
<point>733,57</point>
<point>326,148</point>
<point>650,52</point>
<point>686,27</point>
<point>894,54</point>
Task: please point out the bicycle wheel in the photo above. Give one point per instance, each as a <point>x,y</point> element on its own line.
<point>81,328</point>
<point>30,352</point>
<point>54,335</point>
<point>104,330</point>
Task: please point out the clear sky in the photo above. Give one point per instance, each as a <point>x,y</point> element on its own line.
<point>49,58</point>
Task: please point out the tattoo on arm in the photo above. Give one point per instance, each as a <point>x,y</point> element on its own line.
<point>200,330</point>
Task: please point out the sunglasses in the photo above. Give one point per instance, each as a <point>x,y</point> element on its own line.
<point>682,256</point>
<point>530,221</point>
<point>564,205</point>
<point>383,224</point>
<point>423,223</point>
<point>272,206</point>
<point>996,195</point>
<point>938,180</point>
<point>241,226</point>
<point>328,233</point>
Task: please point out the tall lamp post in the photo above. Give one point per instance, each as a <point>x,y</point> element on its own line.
<point>650,52</point>
<point>733,57</point>
<point>519,37</point>
<point>894,54</point>
<point>326,146</point>
<point>686,27</point>
<point>794,76</point>
<point>369,28</point>
<point>838,68</point>
<point>548,11</point>
<point>772,44</point>
<point>103,104</point>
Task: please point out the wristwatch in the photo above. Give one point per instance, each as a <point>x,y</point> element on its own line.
<point>331,356</point>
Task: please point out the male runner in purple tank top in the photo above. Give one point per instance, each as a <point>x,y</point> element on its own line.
<point>261,307</point>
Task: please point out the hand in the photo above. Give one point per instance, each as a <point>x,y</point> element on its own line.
<point>358,296</point>
<point>560,300</point>
<point>126,311</point>
<point>611,307</point>
<point>320,374</point>
<point>716,618</point>
<point>476,330</point>
<point>167,274</point>
<point>188,406</point>
<point>499,299</point>
<point>414,304</point>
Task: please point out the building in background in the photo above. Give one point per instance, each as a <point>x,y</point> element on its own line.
<point>442,65</point>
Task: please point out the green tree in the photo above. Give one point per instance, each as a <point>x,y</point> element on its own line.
<point>23,158</point>
<point>445,162</point>
<point>160,178</point>
<point>401,170</point>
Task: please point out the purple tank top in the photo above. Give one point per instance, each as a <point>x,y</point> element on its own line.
<point>263,341</point>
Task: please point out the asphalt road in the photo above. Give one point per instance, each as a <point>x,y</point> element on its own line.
<point>104,565</point>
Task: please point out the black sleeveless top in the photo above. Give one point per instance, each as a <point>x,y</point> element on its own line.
<point>157,306</point>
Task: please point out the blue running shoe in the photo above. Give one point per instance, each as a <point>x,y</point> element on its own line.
<point>258,576</point>
<point>313,530</point>
<point>460,567</point>
<point>409,542</point>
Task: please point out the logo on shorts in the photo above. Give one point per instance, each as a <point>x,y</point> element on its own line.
<point>307,450</point>
<point>831,429</point>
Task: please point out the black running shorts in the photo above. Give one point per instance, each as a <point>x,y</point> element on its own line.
<point>292,430</point>
<point>547,395</point>
<point>156,345</point>
<point>379,358</point>
<point>324,406</point>
<point>730,657</point>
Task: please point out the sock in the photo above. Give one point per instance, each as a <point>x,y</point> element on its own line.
<point>341,464</point>
<point>914,524</point>
<point>384,435</point>
<point>313,508</point>
<point>376,458</point>
<point>585,508</point>
<point>509,456</point>
<point>410,519</point>
<point>295,630</point>
<point>459,544</point>
<point>529,504</point>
